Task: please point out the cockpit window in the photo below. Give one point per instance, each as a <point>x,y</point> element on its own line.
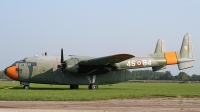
<point>23,63</point>
<point>14,64</point>
<point>17,62</point>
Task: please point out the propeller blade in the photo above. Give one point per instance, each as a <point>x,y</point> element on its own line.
<point>62,61</point>
<point>62,57</point>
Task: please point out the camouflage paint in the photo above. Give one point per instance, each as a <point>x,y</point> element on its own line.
<point>107,70</point>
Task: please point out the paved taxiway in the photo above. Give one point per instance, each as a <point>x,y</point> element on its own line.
<point>119,105</point>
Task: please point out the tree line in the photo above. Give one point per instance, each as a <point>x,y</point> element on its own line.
<point>150,75</point>
<point>2,75</point>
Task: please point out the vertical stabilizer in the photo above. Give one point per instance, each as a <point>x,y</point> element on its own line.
<point>186,48</point>
<point>186,53</point>
<point>160,48</point>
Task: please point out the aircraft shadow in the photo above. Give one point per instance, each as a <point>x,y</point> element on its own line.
<point>37,88</point>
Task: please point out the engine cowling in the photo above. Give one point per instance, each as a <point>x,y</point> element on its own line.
<point>72,65</point>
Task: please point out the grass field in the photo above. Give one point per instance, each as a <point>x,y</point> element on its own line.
<point>40,92</point>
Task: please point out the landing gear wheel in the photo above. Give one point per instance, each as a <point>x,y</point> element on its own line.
<point>93,86</point>
<point>73,86</point>
<point>90,87</point>
<point>26,87</point>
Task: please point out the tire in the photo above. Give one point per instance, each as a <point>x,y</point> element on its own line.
<point>26,87</point>
<point>90,86</point>
<point>93,86</point>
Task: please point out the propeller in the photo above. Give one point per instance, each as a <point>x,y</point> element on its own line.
<point>62,62</point>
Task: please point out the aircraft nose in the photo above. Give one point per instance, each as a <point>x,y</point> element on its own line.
<point>12,72</point>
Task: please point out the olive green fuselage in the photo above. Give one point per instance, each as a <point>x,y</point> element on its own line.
<point>45,70</point>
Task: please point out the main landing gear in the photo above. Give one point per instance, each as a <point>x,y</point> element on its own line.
<point>92,85</point>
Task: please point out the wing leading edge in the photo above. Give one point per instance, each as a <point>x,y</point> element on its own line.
<point>107,59</point>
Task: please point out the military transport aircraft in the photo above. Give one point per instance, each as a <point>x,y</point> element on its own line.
<point>81,70</point>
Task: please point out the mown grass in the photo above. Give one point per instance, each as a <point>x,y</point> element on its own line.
<point>41,92</point>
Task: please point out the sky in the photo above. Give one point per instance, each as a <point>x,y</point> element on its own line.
<point>96,28</point>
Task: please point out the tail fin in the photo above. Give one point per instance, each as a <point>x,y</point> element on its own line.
<point>186,59</point>
<point>160,48</point>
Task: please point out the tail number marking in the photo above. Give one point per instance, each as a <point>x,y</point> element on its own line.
<point>132,63</point>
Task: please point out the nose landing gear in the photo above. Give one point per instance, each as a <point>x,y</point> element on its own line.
<point>26,85</point>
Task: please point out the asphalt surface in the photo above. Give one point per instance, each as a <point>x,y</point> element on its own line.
<point>116,105</point>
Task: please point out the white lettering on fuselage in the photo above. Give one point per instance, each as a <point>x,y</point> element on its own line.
<point>132,63</point>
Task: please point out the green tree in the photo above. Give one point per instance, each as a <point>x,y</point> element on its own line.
<point>182,76</point>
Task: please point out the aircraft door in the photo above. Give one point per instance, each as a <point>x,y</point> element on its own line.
<point>119,75</point>
<point>123,75</point>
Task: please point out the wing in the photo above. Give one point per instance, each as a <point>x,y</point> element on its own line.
<point>107,59</point>
<point>102,65</point>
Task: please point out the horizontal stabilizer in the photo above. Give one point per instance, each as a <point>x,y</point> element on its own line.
<point>185,65</point>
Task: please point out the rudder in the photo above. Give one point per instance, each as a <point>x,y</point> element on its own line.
<point>186,53</point>
<point>160,48</point>
<point>186,48</point>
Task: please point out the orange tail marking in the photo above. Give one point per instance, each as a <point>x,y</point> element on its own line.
<point>171,58</point>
